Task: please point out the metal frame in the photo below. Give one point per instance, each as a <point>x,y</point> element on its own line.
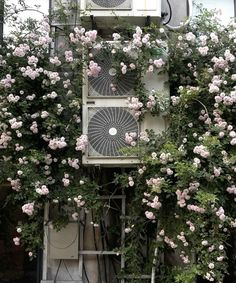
<point>101,252</point>
<point>235,8</point>
<point>1,19</point>
<point>81,251</point>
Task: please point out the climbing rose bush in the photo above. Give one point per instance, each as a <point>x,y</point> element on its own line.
<point>186,182</point>
<point>183,192</point>
<point>40,120</point>
<point>41,139</point>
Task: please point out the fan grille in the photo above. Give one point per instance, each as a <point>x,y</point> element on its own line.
<point>101,85</point>
<point>107,128</point>
<point>108,3</point>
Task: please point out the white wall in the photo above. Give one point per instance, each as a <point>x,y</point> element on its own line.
<point>179,12</point>
<point>225,8</point>
<point>41,5</point>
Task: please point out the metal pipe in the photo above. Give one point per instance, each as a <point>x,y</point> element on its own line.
<point>1,19</point>
<point>234,9</point>
<point>154,263</point>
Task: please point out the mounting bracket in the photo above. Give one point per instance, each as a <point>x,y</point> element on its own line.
<point>147,21</point>
<point>93,22</point>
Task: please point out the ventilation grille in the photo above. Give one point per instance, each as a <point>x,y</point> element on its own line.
<point>102,84</point>
<point>106,130</point>
<point>109,4</point>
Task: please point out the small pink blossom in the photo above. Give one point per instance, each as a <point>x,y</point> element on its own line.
<point>190,36</point>
<point>211,265</point>
<point>217,171</point>
<point>130,138</point>
<point>28,208</point>
<point>16,241</point>
<point>42,190</point>
<point>116,36</point>
<point>69,56</point>
<point>203,50</point>
<point>150,215</point>
<point>57,143</point>
<point>93,69</point>
<point>195,208</point>
<point>75,216</point>
<point>32,60</point>
<point>81,143</point>
<point>79,201</point>
<point>158,63</point>
<point>231,190</point>
<point>202,151</point>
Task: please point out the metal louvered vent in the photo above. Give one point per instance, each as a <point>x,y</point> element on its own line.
<point>108,3</point>
<point>111,3</point>
<point>102,84</point>
<point>107,128</point>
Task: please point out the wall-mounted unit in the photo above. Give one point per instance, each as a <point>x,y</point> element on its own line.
<point>64,244</point>
<point>106,116</point>
<point>136,11</point>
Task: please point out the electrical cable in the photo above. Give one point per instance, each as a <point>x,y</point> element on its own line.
<point>58,268</point>
<point>170,13</point>
<point>59,248</point>
<point>96,248</point>
<point>109,200</point>
<point>106,184</point>
<point>68,270</point>
<point>105,238</point>
<point>85,273</point>
<point>84,268</point>
<point>190,12</point>
<point>103,247</point>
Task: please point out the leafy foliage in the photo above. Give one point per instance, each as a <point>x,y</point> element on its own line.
<point>181,197</point>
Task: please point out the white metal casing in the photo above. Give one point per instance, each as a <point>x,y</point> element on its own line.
<point>64,244</point>
<point>135,11</point>
<point>157,123</point>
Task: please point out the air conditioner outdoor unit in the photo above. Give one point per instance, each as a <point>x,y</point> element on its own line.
<point>106,11</point>
<point>107,118</point>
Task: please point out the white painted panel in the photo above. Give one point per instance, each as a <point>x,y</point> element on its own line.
<point>145,5</point>
<point>156,123</point>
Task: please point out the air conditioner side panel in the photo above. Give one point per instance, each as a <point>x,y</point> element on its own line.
<point>156,123</point>
<point>158,82</point>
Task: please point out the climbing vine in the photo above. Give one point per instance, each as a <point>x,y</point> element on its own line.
<point>182,194</point>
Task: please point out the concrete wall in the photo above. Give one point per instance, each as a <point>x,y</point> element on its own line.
<point>179,11</point>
